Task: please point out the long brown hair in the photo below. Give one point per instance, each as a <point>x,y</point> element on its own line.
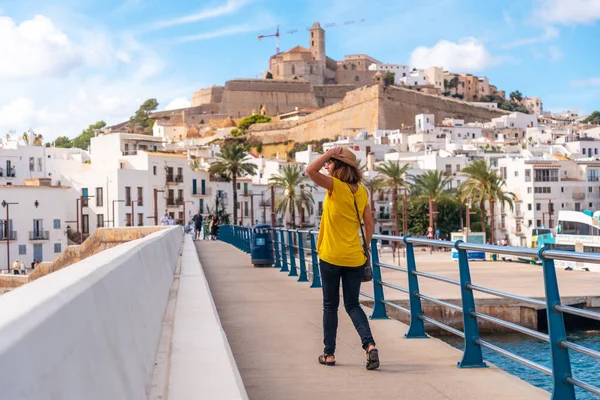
<point>346,173</point>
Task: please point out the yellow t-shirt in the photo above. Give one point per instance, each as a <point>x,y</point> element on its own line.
<point>339,240</point>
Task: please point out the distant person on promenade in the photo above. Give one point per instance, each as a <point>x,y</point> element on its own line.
<point>33,264</point>
<point>164,220</point>
<point>15,267</point>
<point>197,224</point>
<point>206,228</point>
<point>171,221</point>
<point>23,270</point>
<point>341,254</point>
<point>214,227</point>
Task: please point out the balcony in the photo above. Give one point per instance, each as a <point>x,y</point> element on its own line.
<point>12,235</point>
<point>578,196</point>
<point>207,192</point>
<point>170,201</point>
<point>179,201</point>
<point>383,216</point>
<point>170,178</point>
<point>179,178</point>
<point>140,201</point>
<point>39,235</point>
<point>264,203</point>
<point>517,232</point>
<point>129,152</point>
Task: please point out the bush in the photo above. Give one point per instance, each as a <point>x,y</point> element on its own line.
<point>245,123</point>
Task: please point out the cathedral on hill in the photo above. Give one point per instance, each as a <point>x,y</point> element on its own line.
<point>312,64</point>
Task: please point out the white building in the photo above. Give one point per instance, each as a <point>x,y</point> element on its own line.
<point>37,221</point>
<point>400,71</point>
<point>513,120</point>
<point>424,123</point>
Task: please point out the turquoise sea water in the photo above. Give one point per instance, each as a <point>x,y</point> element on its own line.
<point>585,368</point>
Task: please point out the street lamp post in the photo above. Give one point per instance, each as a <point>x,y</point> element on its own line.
<point>113,209</point>
<point>7,205</point>
<point>156,191</point>
<point>272,206</point>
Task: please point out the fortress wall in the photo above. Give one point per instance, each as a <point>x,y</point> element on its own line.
<point>327,95</point>
<point>208,95</point>
<point>400,106</point>
<point>358,110</point>
<point>241,97</point>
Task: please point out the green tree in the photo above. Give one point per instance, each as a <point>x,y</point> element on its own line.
<point>141,121</point>
<point>390,78</point>
<point>245,123</point>
<point>478,174</point>
<point>496,195</point>
<point>231,163</point>
<point>393,175</point>
<point>63,142</point>
<point>83,140</point>
<point>593,118</point>
<point>295,194</point>
<point>431,188</point>
<point>516,96</point>
<point>373,185</point>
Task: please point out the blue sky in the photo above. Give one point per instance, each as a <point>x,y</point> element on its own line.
<point>67,63</point>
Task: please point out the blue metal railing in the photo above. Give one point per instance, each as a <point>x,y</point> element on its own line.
<point>289,247</point>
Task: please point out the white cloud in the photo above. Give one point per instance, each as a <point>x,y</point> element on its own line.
<point>177,103</point>
<point>468,55</point>
<point>587,82</point>
<point>568,12</point>
<point>108,77</point>
<point>549,34</point>
<point>226,31</point>
<point>36,47</point>
<point>555,53</point>
<point>230,7</point>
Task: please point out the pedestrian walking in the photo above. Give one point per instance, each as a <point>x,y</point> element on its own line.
<point>341,254</point>
<point>23,270</point>
<point>15,267</point>
<point>170,221</point>
<point>197,224</point>
<point>33,264</point>
<point>164,220</point>
<point>214,227</point>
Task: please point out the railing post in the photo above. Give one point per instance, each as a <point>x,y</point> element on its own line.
<point>234,236</point>
<point>248,239</point>
<point>316,279</point>
<point>472,357</point>
<point>293,270</point>
<point>416,330</point>
<point>284,264</point>
<point>379,311</point>
<point>276,249</point>
<point>302,277</point>
<point>561,363</point>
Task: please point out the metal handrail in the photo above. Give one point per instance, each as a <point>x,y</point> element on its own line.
<point>292,256</point>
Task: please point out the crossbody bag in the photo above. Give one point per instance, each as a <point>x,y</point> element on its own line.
<point>368,271</point>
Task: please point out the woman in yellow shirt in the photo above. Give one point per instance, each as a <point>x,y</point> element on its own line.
<point>339,246</point>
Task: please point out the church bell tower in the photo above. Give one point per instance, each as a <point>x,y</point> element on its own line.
<point>317,42</point>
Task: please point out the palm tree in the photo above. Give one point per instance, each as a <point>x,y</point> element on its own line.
<point>478,175</point>
<point>431,187</point>
<point>393,176</point>
<point>289,180</point>
<point>373,185</point>
<point>496,194</point>
<point>232,164</point>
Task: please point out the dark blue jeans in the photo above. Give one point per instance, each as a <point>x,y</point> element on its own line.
<point>351,278</point>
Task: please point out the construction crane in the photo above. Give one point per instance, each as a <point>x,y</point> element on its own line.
<point>277,34</point>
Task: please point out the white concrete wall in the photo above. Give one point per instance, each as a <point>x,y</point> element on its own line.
<point>89,331</point>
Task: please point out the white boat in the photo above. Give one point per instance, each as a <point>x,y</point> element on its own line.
<point>578,231</point>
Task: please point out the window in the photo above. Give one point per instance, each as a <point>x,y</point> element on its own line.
<point>540,190</point>
<point>194,186</point>
<point>140,220</point>
<point>527,175</point>
<point>538,223</point>
<point>56,224</point>
<point>356,78</point>
<point>546,175</point>
<point>529,190</point>
<point>590,189</point>
<point>86,223</point>
<point>529,207</point>
<point>562,189</point>
<point>538,206</point>
<point>100,220</point>
<point>591,205</point>
<point>31,163</point>
<point>293,69</point>
<point>22,249</point>
<point>84,200</point>
<point>57,247</point>
<point>128,219</point>
<point>140,196</point>
<point>154,169</point>
<point>529,223</point>
<point>516,173</point>
<point>310,70</point>
<point>39,164</point>
<point>99,197</point>
<point>592,175</point>
<point>127,196</point>
<point>246,209</point>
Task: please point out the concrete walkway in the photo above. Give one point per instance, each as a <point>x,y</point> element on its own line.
<point>273,325</point>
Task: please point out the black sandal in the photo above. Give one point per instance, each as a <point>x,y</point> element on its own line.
<point>323,360</point>
<point>373,359</point>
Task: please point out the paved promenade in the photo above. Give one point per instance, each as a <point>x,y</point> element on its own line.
<point>273,325</point>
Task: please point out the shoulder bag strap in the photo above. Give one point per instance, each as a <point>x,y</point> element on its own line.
<point>358,217</point>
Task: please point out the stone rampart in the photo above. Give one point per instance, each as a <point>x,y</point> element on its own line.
<point>90,331</point>
<point>207,96</point>
<point>370,107</point>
